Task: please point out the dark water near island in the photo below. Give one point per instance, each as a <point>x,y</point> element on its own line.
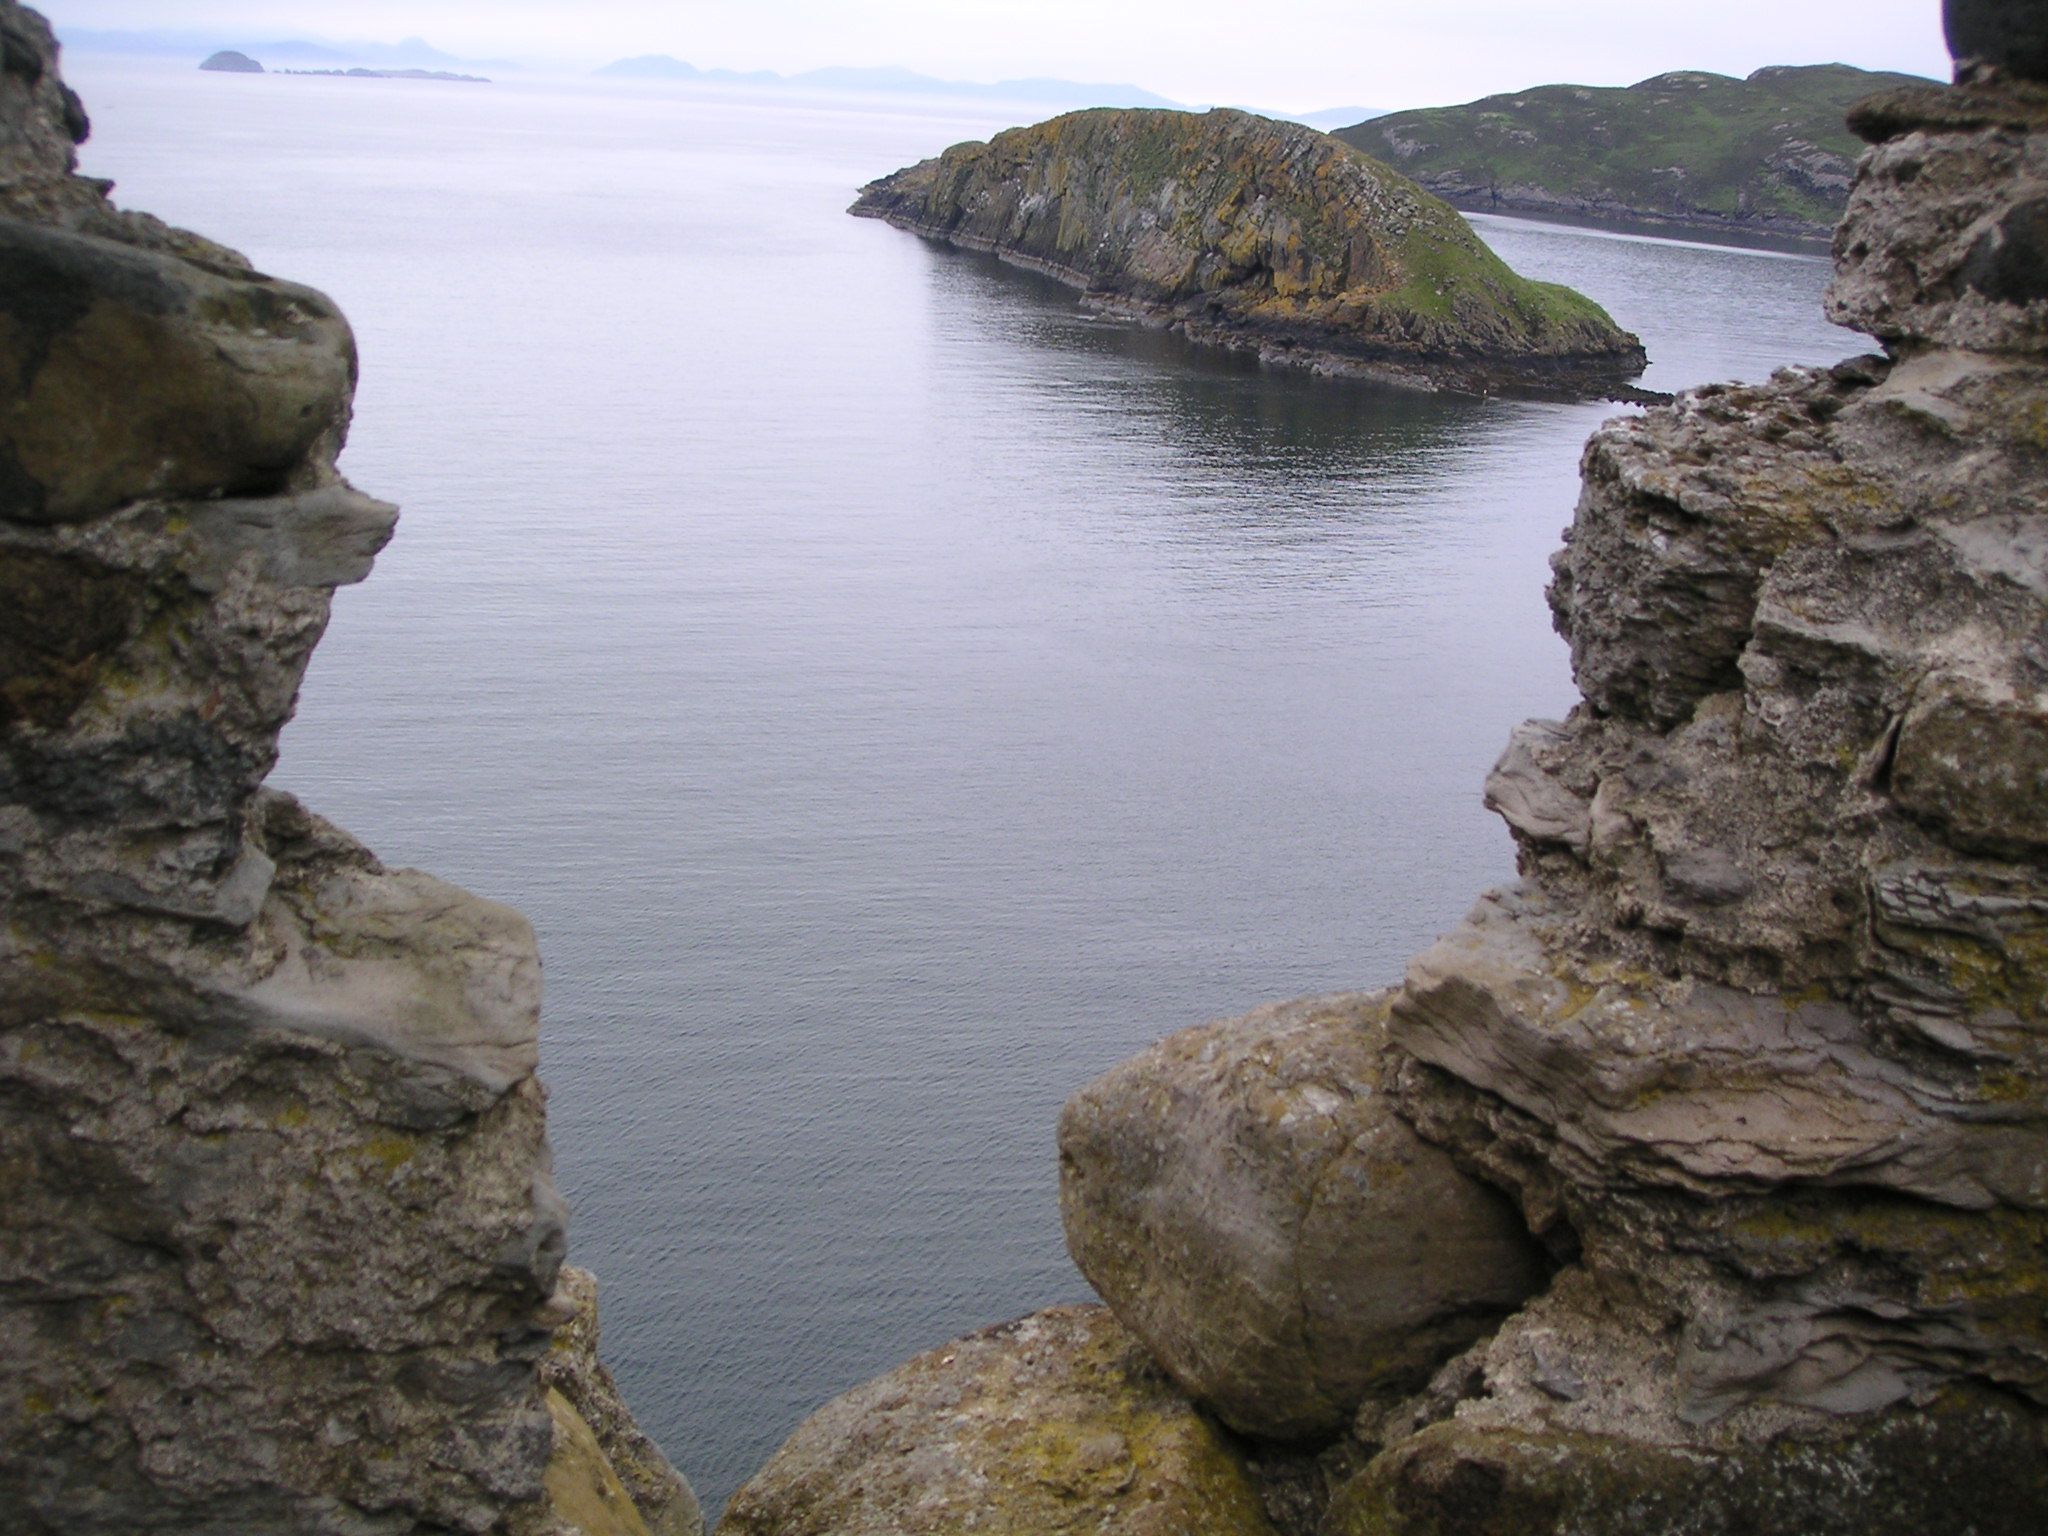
<point>893,695</point>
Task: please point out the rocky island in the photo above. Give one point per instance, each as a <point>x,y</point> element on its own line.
<point>229,62</point>
<point>280,1250</point>
<point>1262,236</point>
<point>1698,1183</point>
<point>1688,152</point>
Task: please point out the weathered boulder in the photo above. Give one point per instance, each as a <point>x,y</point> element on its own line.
<point>135,374</point>
<point>1250,1206</point>
<point>280,1246</point>
<point>1058,1423</point>
<point>1261,235</point>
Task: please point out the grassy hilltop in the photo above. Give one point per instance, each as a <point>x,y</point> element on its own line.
<point>1699,151</point>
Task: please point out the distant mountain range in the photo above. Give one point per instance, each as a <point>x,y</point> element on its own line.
<point>907,82</point>
<point>411,53</point>
<point>1688,151</point>
<point>895,82</point>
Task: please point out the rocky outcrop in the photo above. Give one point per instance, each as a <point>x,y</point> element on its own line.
<point>1264,236</point>
<point>1058,1423</point>
<point>1246,1199</point>
<point>1758,1044</point>
<point>229,62</point>
<point>280,1249</point>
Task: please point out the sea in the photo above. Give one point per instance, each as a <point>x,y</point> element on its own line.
<point>894,693</point>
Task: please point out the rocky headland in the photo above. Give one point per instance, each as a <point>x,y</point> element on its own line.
<point>280,1251</point>
<point>1690,152</point>
<point>1261,236</point>
<point>1697,1184</point>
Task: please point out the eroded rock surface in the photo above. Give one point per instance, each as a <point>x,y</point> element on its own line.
<point>1058,1423</point>
<point>1246,1199</point>
<point>1764,1028</point>
<point>280,1249</point>
<point>1265,236</point>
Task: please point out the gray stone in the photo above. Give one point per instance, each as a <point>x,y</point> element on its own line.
<point>1246,1201</point>
<point>1059,1423</point>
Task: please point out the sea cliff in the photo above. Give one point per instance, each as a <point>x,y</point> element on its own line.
<point>1698,1182</point>
<point>280,1250</point>
<point>1264,236</point>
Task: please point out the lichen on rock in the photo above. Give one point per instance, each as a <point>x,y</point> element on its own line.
<point>1263,236</point>
<point>1057,1423</point>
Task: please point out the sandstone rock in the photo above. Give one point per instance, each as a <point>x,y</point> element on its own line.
<point>1966,1463</point>
<point>1257,234</point>
<point>1056,1423</point>
<point>280,1242</point>
<point>1946,238</point>
<point>1763,1033</point>
<point>582,1487</point>
<point>136,374</point>
<point>1247,1203</point>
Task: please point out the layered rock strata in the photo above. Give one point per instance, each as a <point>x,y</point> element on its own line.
<point>280,1250</point>
<point>1758,1045</point>
<point>1262,236</point>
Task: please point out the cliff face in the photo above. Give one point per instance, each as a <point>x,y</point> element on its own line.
<point>1691,150</point>
<point>1256,234</point>
<point>280,1250</point>
<point>1757,1046</point>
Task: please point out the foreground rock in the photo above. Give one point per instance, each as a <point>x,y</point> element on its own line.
<point>1246,1199</point>
<point>1058,1423</point>
<point>280,1250</point>
<point>1263,236</point>
<point>1764,1028</point>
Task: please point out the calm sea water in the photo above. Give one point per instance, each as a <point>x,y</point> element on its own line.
<point>893,695</point>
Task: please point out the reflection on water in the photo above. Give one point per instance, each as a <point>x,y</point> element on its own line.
<point>894,694</point>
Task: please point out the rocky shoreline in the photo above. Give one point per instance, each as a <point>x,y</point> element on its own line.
<point>1264,237</point>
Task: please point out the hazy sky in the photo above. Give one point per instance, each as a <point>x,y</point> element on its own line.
<point>1294,54</point>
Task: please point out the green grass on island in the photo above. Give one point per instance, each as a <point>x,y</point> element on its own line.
<point>1771,153</point>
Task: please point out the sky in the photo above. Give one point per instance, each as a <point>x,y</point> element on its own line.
<point>1297,55</point>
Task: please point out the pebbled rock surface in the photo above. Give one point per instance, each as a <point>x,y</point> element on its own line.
<point>1058,1423</point>
<point>280,1249</point>
<point>1246,1199</point>
<point>1264,236</point>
